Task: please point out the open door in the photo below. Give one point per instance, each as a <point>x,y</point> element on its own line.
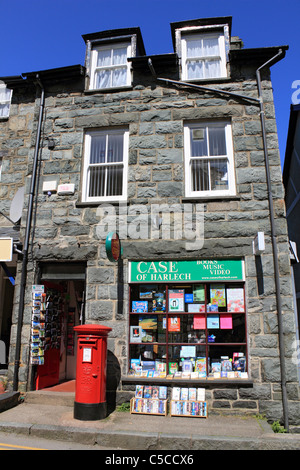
<point>63,309</point>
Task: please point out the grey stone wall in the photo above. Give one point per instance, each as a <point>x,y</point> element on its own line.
<point>67,230</point>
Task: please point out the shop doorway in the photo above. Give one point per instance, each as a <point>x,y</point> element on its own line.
<point>7,288</point>
<point>64,289</point>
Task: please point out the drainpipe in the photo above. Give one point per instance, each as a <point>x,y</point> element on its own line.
<point>280,55</point>
<point>274,242</point>
<point>26,241</point>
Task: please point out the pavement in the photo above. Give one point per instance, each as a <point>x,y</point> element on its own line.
<point>49,415</point>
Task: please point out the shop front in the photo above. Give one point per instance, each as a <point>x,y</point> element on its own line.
<point>188,321</point>
<point>57,307</point>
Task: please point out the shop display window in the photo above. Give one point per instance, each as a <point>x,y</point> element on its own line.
<point>192,331</point>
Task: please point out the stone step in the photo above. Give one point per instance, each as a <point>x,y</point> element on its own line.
<point>43,397</point>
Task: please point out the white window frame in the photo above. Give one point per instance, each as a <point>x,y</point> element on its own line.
<point>222,54</point>
<point>95,68</point>
<point>6,101</point>
<point>231,191</point>
<point>87,165</point>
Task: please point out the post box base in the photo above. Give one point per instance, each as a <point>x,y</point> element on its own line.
<point>90,411</point>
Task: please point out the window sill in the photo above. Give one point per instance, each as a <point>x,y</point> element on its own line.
<point>108,90</point>
<point>199,81</point>
<point>210,198</point>
<point>204,381</point>
<point>99,203</point>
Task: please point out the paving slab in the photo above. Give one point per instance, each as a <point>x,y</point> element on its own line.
<point>122,430</point>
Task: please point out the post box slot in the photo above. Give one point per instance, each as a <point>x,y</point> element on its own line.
<point>88,343</point>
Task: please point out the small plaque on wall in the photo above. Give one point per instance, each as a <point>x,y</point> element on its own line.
<point>64,189</point>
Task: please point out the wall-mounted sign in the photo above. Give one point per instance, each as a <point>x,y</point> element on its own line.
<point>199,270</point>
<point>68,188</point>
<point>49,186</point>
<point>6,249</point>
<point>113,246</point>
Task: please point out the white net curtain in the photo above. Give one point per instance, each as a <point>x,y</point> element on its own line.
<point>203,58</point>
<point>111,68</point>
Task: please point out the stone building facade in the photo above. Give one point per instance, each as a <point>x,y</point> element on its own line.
<point>156,111</point>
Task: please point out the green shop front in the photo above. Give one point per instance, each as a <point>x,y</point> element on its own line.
<point>187,322</point>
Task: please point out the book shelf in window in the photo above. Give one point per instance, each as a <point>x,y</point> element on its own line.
<point>197,329</point>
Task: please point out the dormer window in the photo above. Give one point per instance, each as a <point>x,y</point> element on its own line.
<point>107,54</point>
<point>203,56</point>
<point>109,66</point>
<point>5,100</point>
<point>202,46</point>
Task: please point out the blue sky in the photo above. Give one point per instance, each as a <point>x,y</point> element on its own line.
<point>44,34</point>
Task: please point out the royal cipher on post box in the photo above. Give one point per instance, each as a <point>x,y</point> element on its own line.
<point>90,390</point>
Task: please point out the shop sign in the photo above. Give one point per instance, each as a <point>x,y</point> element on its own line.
<point>113,246</point>
<point>182,271</point>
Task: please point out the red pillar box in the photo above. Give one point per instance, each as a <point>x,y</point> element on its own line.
<point>90,390</point>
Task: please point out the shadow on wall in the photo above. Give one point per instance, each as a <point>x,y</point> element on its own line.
<point>113,377</point>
